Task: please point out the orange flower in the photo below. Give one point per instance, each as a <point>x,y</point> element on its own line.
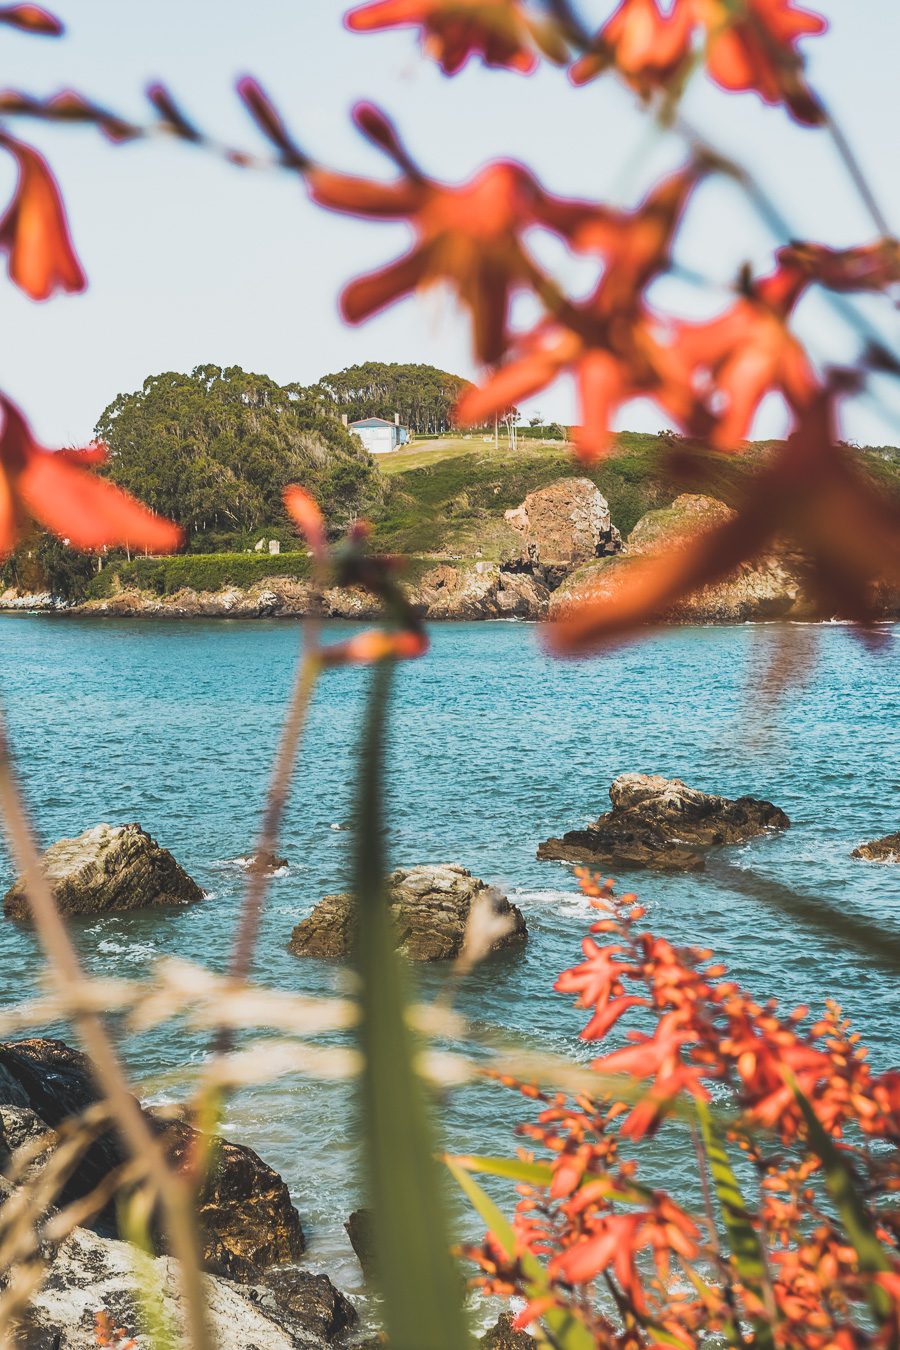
<point>646,46</point>
<point>607,342</point>
<point>32,19</point>
<point>376,645</point>
<point>469,236</point>
<point>454,30</point>
<point>56,489</point>
<point>34,231</point>
<point>753,45</point>
<point>304,510</point>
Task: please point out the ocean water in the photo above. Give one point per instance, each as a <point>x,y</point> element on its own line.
<point>493,747</point>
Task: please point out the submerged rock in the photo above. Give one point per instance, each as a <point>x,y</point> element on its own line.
<point>430,905</point>
<point>664,824</point>
<point>246,1219</point>
<point>109,867</point>
<point>880,850</point>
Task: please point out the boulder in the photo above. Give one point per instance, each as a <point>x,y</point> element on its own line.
<point>503,1336</point>
<point>359,1231</point>
<point>310,1303</point>
<point>566,523</point>
<point>245,1216</point>
<point>664,824</point>
<point>109,867</point>
<point>430,905</point>
<point>885,850</point>
<point>91,1276</point>
<point>768,588</point>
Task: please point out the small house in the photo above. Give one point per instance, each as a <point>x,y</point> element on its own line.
<point>379,435</point>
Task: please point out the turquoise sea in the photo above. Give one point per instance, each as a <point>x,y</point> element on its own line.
<point>494,746</point>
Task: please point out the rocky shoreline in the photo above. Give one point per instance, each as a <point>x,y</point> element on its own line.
<point>567,547</point>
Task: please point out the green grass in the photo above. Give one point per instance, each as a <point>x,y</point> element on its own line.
<point>451,497</point>
<point>198,572</point>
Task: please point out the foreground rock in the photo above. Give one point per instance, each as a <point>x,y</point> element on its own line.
<point>503,1336</point>
<point>563,525</point>
<point>91,1275</point>
<point>769,588</point>
<point>430,905</point>
<point>664,824</point>
<point>245,1216</point>
<point>880,850</point>
<point>109,867</point>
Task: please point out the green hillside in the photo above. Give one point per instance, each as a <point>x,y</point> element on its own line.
<point>449,497</point>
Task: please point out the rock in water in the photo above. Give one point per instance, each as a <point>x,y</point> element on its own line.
<point>503,1336</point>
<point>245,1216</point>
<point>359,1231</point>
<point>430,905</point>
<point>662,823</point>
<point>110,867</point>
<point>880,850</point>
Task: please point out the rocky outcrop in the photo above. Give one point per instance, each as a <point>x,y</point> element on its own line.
<point>109,867</point>
<point>430,906</point>
<point>564,524</point>
<point>663,824</point>
<point>91,1277</point>
<point>770,588</point>
<point>503,1336</point>
<point>245,1216</point>
<point>481,590</point>
<point>359,1231</point>
<point>246,1219</point>
<point>886,850</point>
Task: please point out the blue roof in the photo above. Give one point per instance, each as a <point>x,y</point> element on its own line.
<point>372,422</point>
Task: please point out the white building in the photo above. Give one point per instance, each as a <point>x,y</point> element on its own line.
<point>379,435</point>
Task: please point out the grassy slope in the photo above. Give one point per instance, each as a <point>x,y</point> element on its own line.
<point>446,499</point>
<point>449,498</point>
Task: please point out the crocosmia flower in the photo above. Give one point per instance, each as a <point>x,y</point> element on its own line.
<point>752,45</point>
<point>34,232</point>
<point>57,489</point>
<point>498,31</point>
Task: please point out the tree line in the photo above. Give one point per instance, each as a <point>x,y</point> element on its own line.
<point>422,395</point>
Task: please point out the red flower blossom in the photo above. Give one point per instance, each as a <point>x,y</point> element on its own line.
<point>469,236</point>
<point>56,489</point>
<point>499,31</point>
<point>304,510</point>
<point>646,46</point>
<point>34,232</point>
<point>32,19</point>
<point>753,46</point>
<point>606,342</point>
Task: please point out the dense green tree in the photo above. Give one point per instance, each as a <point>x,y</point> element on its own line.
<point>422,395</point>
<point>214,449</point>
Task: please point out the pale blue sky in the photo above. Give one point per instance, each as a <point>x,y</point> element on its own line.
<point>192,261</point>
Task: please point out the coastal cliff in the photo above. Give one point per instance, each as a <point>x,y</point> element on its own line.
<point>558,545</point>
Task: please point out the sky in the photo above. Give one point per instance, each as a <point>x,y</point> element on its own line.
<point>192,261</point>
